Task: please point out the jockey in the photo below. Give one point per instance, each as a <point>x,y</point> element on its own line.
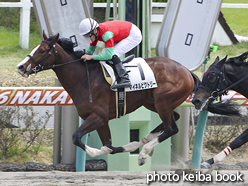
<point>119,38</point>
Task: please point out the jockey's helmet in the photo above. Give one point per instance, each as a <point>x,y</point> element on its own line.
<point>87,26</point>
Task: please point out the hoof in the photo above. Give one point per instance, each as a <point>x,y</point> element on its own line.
<point>205,165</point>
<point>142,161</point>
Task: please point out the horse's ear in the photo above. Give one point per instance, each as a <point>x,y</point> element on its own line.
<point>222,62</point>
<point>44,35</point>
<point>217,59</point>
<point>55,39</point>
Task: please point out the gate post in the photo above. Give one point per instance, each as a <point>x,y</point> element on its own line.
<point>25,24</point>
<point>57,131</point>
<point>70,122</point>
<point>81,155</point>
<point>180,141</point>
<point>198,141</point>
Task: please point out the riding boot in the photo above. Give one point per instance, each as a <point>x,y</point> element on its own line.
<point>123,78</point>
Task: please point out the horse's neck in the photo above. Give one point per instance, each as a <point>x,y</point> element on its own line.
<point>74,77</point>
<point>70,74</point>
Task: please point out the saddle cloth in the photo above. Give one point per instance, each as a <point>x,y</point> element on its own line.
<point>140,74</point>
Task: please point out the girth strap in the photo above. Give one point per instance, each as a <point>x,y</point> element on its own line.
<point>120,102</point>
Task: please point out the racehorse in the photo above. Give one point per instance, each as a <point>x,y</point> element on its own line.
<point>175,84</point>
<point>220,77</point>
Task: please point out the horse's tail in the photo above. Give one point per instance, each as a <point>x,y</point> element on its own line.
<point>226,108</point>
<point>197,81</point>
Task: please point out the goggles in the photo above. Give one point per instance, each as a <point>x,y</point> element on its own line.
<point>89,34</point>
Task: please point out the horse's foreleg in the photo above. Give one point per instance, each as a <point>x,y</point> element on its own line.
<point>236,143</point>
<point>94,152</point>
<point>90,124</point>
<point>105,136</point>
<point>149,146</point>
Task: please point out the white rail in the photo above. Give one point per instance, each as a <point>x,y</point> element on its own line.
<point>25,6</point>
<point>234,5</point>
<point>12,4</point>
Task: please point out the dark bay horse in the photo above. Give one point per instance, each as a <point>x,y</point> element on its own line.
<point>175,84</point>
<point>222,76</point>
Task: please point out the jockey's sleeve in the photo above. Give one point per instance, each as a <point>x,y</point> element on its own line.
<point>105,56</point>
<point>91,50</point>
<point>108,38</point>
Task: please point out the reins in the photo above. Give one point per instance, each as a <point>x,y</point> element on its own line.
<point>87,71</point>
<point>59,65</point>
<point>234,84</point>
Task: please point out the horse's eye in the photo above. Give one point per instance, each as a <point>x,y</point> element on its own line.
<point>41,51</point>
<point>211,77</point>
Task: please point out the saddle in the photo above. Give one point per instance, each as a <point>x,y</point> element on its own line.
<point>140,74</point>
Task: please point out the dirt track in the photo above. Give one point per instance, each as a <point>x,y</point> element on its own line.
<point>52,178</point>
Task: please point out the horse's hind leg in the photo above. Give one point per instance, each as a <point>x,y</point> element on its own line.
<point>176,117</point>
<point>153,134</point>
<point>170,131</point>
<point>130,147</point>
<point>105,136</point>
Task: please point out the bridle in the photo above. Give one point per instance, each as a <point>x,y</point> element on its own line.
<point>39,65</point>
<point>221,84</point>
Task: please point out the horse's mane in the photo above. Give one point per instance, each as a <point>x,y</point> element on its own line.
<point>68,46</point>
<point>239,60</point>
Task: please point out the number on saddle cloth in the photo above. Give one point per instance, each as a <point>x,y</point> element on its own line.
<point>140,74</point>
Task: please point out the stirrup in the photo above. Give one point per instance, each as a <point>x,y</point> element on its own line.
<point>121,85</point>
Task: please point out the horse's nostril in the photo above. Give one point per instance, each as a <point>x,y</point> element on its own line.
<point>196,101</point>
<point>20,67</point>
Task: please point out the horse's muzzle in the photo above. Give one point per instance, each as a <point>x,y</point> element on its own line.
<point>23,71</point>
<point>200,104</point>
